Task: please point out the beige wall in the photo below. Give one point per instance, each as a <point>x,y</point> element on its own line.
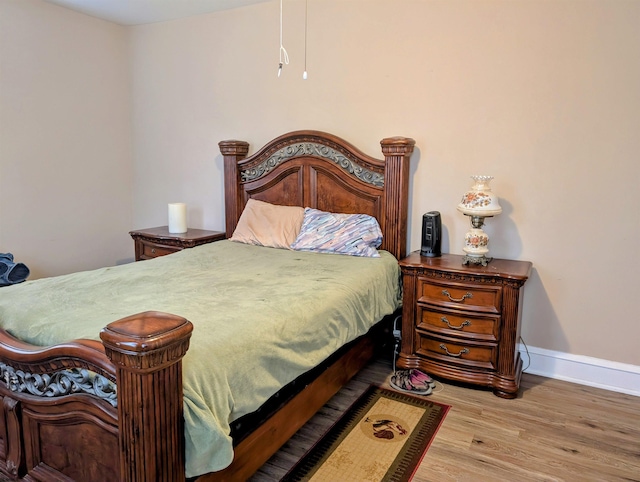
<point>543,95</point>
<point>65,139</point>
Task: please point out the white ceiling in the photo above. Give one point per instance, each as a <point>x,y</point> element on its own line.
<point>136,12</point>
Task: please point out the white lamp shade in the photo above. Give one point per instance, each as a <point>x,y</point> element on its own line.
<point>479,200</point>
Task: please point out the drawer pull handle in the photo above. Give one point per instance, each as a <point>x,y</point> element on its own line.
<point>153,250</point>
<point>446,350</point>
<point>458,300</point>
<point>460,327</point>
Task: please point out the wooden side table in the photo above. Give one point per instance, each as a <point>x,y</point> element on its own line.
<point>463,322</point>
<point>154,242</point>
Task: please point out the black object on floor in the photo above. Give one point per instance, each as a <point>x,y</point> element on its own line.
<point>11,272</point>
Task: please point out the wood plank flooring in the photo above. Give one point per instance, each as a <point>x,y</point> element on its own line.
<point>554,431</point>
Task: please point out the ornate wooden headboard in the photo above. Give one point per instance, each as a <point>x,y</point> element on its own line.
<point>319,170</point>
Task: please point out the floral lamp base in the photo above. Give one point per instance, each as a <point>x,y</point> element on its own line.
<point>476,244</point>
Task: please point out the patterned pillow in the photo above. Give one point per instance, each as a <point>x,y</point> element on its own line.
<point>352,234</point>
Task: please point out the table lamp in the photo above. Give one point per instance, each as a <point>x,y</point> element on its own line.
<point>478,203</point>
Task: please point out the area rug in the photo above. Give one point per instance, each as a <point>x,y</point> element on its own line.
<point>382,437</point>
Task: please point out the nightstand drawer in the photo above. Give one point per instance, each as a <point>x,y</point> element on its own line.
<point>460,353</point>
<point>470,297</point>
<point>481,328</point>
<point>151,250</point>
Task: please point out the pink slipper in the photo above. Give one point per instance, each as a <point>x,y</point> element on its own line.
<point>402,381</point>
<point>421,377</point>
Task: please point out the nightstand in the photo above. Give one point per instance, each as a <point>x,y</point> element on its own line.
<point>154,242</point>
<point>463,322</point>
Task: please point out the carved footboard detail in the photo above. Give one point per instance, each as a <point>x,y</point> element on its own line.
<point>147,350</point>
<point>13,452</point>
<point>60,418</point>
<point>57,415</point>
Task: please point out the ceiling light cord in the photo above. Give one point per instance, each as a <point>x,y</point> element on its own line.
<point>284,56</point>
<point>306,5</point>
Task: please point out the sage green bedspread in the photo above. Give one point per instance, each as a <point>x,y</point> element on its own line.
<point>261,317</point>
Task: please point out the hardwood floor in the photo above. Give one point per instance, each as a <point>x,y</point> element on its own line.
<point>553,431</point>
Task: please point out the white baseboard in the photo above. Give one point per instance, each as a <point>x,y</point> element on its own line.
<point>618,377</point>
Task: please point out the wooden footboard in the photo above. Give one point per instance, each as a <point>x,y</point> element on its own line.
<point>86,411</point>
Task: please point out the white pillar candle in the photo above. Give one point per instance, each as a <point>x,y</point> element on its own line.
<point>177,218</point>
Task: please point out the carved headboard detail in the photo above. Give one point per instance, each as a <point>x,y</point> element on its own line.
<point>320,170</point>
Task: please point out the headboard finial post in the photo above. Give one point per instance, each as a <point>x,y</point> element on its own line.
<point>397,152</point>
<point>232,151</point>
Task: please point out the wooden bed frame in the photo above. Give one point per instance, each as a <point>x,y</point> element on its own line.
<point>62,416</point>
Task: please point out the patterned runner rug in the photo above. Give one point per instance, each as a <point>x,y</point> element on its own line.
<point>382,437</point>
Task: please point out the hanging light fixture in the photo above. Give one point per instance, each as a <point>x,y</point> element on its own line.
<point>306,5</point>
<point>284,56</point>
